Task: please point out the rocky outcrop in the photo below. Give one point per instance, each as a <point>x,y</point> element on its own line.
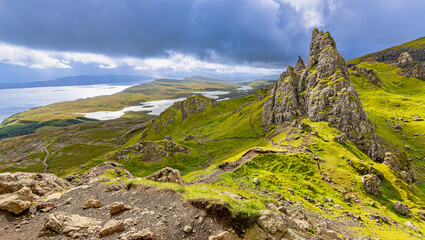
<point>369,74</point>
<point>68,224</point>
<point>167,175</point>
<point>401,208</point>
<point>322,92</point>
<point>372,184</point>
<point>404,59</point>
<point>105,167</point>
<point>400,164</point>
<point>39,183</point>
<point>150,151</point>
<point>112,226</point>
<point>273,223</point>
<point>192,105</point>
<point>18,201</point>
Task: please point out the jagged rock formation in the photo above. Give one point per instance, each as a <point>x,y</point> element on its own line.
<point>322,91</point>
<point>369,74</point>
<point>192,105</point>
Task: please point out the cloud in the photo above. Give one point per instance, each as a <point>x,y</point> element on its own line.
<point>22,56</point>
<point>172,62</point>
<point>250,33</point>
<point>312,13</point>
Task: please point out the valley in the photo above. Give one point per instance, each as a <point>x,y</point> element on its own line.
<point>330,150</point>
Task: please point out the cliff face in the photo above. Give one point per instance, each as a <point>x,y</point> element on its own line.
<point>322,91</point>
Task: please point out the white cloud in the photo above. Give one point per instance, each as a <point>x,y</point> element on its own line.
<point>22,56</point>
<point>175,62</point>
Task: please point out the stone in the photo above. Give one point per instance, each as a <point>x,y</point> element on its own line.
<point>92,203</point>
<point>45,207</point>
<point>117,207</point>
<point>412,226</point>
<point>39,183</point>
<point>273,223</point>
<point>167,175</point>
<point>337,206</point>
<point>372,184</point>
<point>401,208</point>
<point>329,234</point>
<point>68,224</point>
<point>256,181</point>
<point>322,92</point>
<point>111,227</point>
<point>303,225</point>
<point>417,118</point>
<point>114,187</point>
<point>54,196</point>
<point>224,236</point>
<point>342,138</point>
<point>404,59</point>
<point>18,201</point>
<point>187,229</point>
<point>282,209</point>
<point>145,234</point>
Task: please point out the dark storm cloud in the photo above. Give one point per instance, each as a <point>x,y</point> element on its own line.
<point>258,32</point>
<point>237,30</point>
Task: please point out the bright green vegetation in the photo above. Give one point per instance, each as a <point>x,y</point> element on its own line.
<point>197,141</point>
<point>391,101</point>
<point>65,113</point>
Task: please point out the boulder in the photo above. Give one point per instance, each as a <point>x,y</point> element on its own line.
<point>412,226</point>
<point>224,236</point>
<point>114,187</point>
<point>187,229</point>
<point>342,138</point>
<point>372,184</point>
<point>273,223</point>
<point>117,207</point>
<point>45,206</point>
<point>68,224</point>
<point>111,227</point>
<point>18,201</point>
<point>404,59</point>
<point>92,203</point>
<point>401,208</point>
<point>167,175</point>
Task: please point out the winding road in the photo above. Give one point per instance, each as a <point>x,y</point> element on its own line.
<point>47,155</point>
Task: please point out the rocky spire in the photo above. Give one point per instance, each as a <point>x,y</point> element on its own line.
<point>300,64</point>
<point>323,92</point>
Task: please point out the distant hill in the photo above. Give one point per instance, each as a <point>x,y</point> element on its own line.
<point>415,48</point>
<point>410,57</point>
<point>78,81</point>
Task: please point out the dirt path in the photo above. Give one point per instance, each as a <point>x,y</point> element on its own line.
<point>47,155</point>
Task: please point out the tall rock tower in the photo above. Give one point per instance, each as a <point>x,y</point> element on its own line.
<point>322,91</point>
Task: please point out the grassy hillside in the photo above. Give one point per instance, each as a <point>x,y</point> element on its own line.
<point>65,113</point>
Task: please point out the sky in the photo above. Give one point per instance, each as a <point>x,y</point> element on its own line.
<point>234,39</point>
